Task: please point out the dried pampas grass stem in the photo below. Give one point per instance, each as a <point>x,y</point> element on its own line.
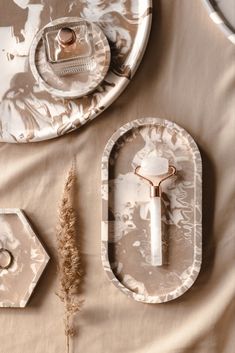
<point>69,265</point>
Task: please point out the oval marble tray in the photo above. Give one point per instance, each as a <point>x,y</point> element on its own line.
<point>125,212</point>
<point>29,114</point>
<point>222,13</point>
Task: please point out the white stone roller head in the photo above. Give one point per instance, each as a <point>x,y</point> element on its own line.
<point>154,166</point>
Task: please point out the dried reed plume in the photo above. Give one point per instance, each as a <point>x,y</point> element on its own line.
<point>69,265</point>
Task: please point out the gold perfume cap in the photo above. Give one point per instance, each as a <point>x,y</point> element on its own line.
<point>66,36</point>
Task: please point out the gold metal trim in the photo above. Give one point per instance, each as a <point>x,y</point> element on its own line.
<point>155,190</point>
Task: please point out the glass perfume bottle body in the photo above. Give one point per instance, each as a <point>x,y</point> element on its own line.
<point>70,48</point>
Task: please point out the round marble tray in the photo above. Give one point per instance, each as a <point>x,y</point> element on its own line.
<point>29,114</point>
<point>70,86</point>
<point>222,13</point>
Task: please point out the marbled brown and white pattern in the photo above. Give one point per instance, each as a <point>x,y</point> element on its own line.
<point>28,113</point>
<point>126,218</point>
<point>29,259</point>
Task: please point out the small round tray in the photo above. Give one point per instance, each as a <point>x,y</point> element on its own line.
<point>222,13</point>
<point>30,114</point>
<point>70,86</point>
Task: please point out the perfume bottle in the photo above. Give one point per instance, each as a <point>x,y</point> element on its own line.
<point>70,48</point>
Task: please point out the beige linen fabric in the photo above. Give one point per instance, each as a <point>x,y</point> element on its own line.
<point>188,76</point>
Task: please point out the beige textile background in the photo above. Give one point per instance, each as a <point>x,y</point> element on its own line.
<point>188,76</point>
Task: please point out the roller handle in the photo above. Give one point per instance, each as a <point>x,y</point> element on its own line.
<point>156,231</point>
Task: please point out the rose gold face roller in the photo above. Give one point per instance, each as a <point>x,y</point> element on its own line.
<point>155,170</point>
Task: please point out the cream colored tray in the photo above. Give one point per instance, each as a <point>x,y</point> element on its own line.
<point>125,212</point>
<point>29,258</point>
<point>29,113</point>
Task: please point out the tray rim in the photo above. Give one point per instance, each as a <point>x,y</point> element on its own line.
<point>219,21</point>
<point>197,255</point>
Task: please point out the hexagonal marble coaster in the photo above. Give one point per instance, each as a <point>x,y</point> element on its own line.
<point>29,258</point>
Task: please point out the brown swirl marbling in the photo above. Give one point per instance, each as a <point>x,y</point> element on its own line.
<point>29,114</point>
<point>125,211</point>
<point>30,259</point>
